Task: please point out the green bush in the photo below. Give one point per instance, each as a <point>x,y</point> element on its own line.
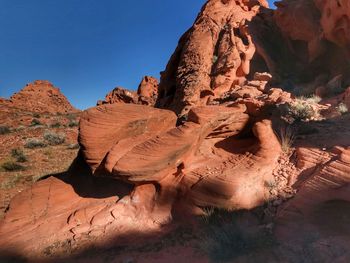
<point>55,125</point>
<point>54,138</point>
<point>12,166</point>
<point>71,116</point>
<point>73,123</point>
<point>300,110</point>
<point>35,122</point>
<point>19,155</point>
<point>4,130</point>
<point>313,99</point>
<point>20,128</point>
<point>34,143</point>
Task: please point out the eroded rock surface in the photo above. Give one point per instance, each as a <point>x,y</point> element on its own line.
<point>146,94</point>
<point>104,126</point>
<point>211,57</point>
<point>210,139</point>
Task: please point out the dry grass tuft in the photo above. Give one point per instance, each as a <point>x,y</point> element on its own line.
<point>286,136</point>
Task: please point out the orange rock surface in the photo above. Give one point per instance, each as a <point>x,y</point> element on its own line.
<point>40,96</point>
<point>146,94</point>
<point>226,128</point>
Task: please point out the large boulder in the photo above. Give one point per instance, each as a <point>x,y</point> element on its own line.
<point>102,127</point>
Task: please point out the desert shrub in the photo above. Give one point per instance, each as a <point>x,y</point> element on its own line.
<point>73,146</point>
<point>34,143</point>
<point>314,99</point>
<point>271,185</point>
<point>20,128</point>
<point>342,108</point>
<point>36,115</point>
<point>286,136</point>
<point>35,122</point>
<point>55,125</point>
<point>228,237</point>
<point>54,138</point>
<point>12,166</point>
<point>19,155</point>
<point>73,123</point>
<point>71,116</point>
<point>301,111</point>
<point>11,182</point>
<point>4,130</point>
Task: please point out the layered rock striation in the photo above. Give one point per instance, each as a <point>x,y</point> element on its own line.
<point>206,136</point>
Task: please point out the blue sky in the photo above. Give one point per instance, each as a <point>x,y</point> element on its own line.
<point>88,47</point>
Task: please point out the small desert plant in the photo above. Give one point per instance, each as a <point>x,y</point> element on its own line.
<point>35,122</point>
<point>208,211</point>
<point>4,130</point>
<point>19,155</point>
<point>71,116</point>
<point>73,146</point>
<point>20,128</point>
<point>10,182</point>
<point>34,143</point>
<point>227,236</point>
<point>342,108</point>
<point>271,185</point>
<point>55,125</point>
<point>301,110</point>
<point>286,136</point>
<point>73,123</point>
<point>54,138</point>
<point>12,166</point>
<point>36,115</point>
<point>313,99</point>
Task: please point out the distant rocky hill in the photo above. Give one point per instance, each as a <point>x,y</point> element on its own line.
<point>146,94</point>
<point>40,96</point>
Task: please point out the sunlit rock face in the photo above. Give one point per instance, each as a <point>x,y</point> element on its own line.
<point>40,96</point>
<point>206,135</point>
<point>303,44</point>
<point>146,94</point>
<point>212,56</point>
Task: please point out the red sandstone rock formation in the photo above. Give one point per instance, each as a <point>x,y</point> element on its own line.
<point>223,151</point>
<point>322,27</point>
<point>221,156</point>
<point>104,127</point>
<point>323,199</point>
<point>119,95</point>
<point>303,44</point>
<point>40,96</point>
<point>146,94</point>
<point>211,57</point>
<point>148,91</point>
